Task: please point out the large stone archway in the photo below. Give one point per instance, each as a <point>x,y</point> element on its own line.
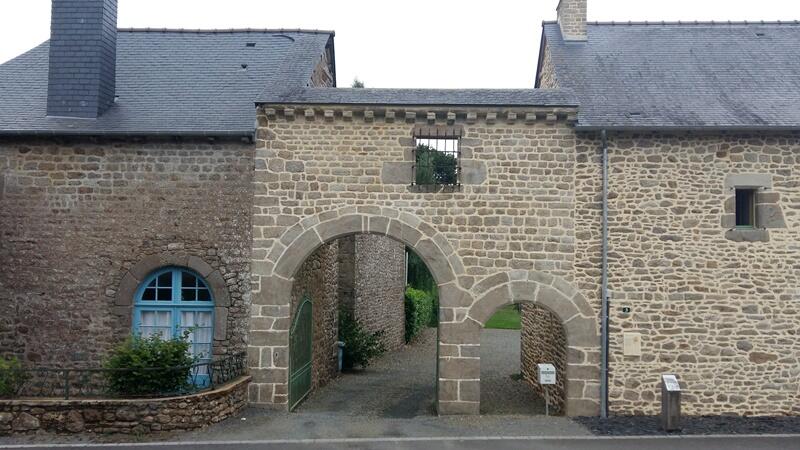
<point>459,355</point>
<point>268,350</point>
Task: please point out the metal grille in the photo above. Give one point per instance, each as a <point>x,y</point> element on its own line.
<point>70,383</point>
<point>437,158</point>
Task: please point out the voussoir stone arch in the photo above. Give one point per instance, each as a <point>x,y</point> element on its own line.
<point>299,241</point>
<point>573,311</point>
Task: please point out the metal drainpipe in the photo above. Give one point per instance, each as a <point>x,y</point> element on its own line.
<point>604,289</point>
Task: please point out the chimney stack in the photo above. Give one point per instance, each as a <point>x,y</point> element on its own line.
<point>572,19</point>
<point>83,58</point>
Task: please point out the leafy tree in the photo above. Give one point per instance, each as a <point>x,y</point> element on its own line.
<point>358,84</point>
<point>434,167</point>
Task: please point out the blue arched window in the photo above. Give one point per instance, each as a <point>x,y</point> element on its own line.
<point>173,300</point>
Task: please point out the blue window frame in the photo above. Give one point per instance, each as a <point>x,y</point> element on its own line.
<point>171,301</point>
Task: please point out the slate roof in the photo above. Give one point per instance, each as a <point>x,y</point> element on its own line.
<point>682,75</point>
<point>421,97</point>
<point>175,82</point>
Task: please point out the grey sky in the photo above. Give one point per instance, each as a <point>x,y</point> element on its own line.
<point>409,43</point>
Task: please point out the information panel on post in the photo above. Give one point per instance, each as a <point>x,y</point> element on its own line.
<point>671,383</point>
<point>547,374</point>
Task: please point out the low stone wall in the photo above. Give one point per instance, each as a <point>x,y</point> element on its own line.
<point>136,416</point>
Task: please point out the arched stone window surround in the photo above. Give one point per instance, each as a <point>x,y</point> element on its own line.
<point>179,302</point>
<point>459,365</point>
<point>137,274</point>
<point>269,334</point>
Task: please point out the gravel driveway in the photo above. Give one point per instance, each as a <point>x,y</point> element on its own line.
<point>401,384</point>
<point>502,390</point>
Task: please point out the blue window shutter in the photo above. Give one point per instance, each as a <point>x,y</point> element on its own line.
<point>176,307</point>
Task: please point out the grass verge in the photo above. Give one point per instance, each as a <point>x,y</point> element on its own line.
<point>506,318</point>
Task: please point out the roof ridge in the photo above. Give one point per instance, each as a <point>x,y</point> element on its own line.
<point>696,22</point>
<point>224,30</point>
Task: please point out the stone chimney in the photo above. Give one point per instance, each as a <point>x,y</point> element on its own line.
<point>572,19</point>
<point>83,58</point>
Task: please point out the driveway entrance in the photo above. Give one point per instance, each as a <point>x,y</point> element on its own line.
<point>398,385</point>
<point>503,391</point>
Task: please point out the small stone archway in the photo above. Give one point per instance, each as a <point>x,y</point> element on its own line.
<point>268,351</point>
<point>459,362</point>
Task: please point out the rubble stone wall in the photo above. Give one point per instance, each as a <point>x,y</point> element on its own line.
<point>722,314</point>
<point>379,287</point>
<point>318,279</point>
<point>542,341</point>
<point>138,416</point>
<point>79,217</point>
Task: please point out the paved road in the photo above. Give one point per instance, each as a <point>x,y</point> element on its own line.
<point>788,442</point>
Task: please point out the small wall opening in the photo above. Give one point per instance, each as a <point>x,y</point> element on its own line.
<point>514,341</point>
<point>543,341</point>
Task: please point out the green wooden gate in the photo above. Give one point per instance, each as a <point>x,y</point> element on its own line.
<point>300,354</point>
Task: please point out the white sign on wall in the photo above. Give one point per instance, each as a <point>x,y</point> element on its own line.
<point>632,344</point>
<point>547,374</point>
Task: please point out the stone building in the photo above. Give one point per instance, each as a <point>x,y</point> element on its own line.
<point>144,164</point>
<point>700,274</point>
<point>696,116</point>
<point>641,203</point>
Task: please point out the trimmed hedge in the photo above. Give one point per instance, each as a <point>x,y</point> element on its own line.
<point>419,311</point>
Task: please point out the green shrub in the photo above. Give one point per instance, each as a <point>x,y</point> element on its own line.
<point>360,346</point>
<point>12,377</point>
<point>419,311</point>
<point>140,356</point>
<point>419,277</point>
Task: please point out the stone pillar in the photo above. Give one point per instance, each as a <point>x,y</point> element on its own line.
<point>459,368</point>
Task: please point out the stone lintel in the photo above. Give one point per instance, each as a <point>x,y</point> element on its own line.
<point>748,180</point>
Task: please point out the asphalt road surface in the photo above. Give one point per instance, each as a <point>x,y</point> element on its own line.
<point>743,442</point>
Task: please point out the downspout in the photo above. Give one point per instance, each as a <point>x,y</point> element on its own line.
<point>604,288</point>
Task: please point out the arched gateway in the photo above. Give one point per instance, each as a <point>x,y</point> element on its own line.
<point>462,311</point>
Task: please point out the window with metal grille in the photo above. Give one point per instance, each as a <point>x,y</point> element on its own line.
<point>745,208</point>
<point>437,156</point>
